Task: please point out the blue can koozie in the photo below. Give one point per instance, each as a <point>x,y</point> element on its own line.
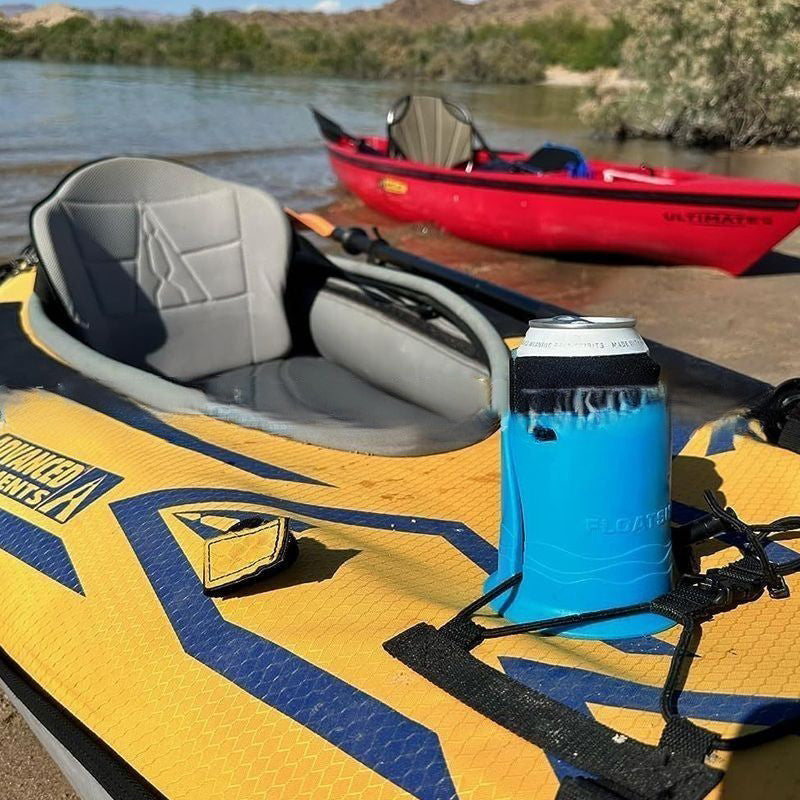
<point>585,478</point>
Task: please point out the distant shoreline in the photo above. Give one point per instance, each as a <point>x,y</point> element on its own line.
<point>407,44</point>
<point>556,75</point>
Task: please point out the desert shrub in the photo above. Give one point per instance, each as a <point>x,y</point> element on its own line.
<point>573,42</point>
<point>707,72</point>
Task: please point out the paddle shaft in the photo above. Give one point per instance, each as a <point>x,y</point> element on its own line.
<point>357,241</point>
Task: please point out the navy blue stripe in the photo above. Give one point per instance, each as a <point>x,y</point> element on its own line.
<point>573,687</point>
<point>403,751</point>
<point>460,536</point>
<point>38,549</point>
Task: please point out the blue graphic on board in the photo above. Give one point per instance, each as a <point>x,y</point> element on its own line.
<point>722,434</point>
<point>38,549</point>
<point>403,751</point>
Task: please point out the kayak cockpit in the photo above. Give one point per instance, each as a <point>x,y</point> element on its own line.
<point>191,294</point>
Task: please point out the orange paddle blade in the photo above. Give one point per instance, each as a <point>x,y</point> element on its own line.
<point>314,222</point>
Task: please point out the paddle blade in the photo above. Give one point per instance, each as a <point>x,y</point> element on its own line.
<point>331,130</point>
<point>313,222</point>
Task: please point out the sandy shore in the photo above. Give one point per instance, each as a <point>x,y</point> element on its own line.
<point>747,324</point>
<point>26,771</point>
<point>731,321</point>
<point>561,76</point>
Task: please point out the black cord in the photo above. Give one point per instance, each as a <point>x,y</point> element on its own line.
<point>757,537</point>
<point>673,683</point>
<point>775,583</point>
<point>731,589</point>
<point>568,621</point>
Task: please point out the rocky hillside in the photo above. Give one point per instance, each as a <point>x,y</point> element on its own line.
<point>512,12</point>
<point>30,16</point>
<point>404,13</point>
<point>425,13</point>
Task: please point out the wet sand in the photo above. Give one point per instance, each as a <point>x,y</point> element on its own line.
<point>748,324</point>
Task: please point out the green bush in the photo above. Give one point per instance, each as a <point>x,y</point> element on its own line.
<point>708,72</point>
<point>571,41</point>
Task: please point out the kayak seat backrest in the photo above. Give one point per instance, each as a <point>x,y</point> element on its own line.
<point>160,266</point>
<point>558,158</point>
<point>430,130</point>
<point>182,282</point>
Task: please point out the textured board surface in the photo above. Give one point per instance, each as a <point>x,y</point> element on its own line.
<point>283,690</point>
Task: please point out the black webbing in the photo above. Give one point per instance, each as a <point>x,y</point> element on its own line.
<point>621,766</point>
<point>632,769</point>
<point>681,735</point>
<point>583,789</point>
<point>789,437</point>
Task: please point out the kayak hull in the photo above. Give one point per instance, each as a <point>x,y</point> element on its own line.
<point>141,686</point>
<point>693,219</point>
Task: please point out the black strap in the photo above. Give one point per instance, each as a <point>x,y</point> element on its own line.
<point>681,735</point>
<point>632,769</point>
<point>623,767</point>
<point>583,789</point>
<point>789,437</point>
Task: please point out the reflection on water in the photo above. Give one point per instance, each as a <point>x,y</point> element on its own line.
<point>257,129</point>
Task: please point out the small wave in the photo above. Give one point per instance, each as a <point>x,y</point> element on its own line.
<point>254,152</point>
<point>60,167</point>
<point>39,167</point>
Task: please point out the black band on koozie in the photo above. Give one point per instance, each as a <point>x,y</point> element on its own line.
<point>538,383</point>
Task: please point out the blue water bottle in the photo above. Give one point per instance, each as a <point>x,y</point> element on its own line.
<point>585,478</point>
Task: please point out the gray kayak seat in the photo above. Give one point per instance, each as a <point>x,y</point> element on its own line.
<point>188,294</point>
<point>430,130</point>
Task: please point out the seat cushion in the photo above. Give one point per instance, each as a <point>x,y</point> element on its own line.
<point>355,415</point>
<point>164,268</point>
<point>309,389</point>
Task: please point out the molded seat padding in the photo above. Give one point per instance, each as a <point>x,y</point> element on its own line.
<point>430,130</point>
<point>163,267</point>
<point>171,274</point>
<point>308,389</point>
<point>421,365</point>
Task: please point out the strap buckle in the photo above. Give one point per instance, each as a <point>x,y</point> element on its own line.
<point>26,261</point>
<point>727,591</point>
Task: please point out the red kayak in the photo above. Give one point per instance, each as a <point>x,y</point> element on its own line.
<point>664,215</point>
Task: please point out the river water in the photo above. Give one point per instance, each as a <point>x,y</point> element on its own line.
<point>257,128</point>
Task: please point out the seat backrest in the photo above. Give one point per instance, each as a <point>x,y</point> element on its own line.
<point>160,266</point>
<point>430,130</point>
<point>558,158</point>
